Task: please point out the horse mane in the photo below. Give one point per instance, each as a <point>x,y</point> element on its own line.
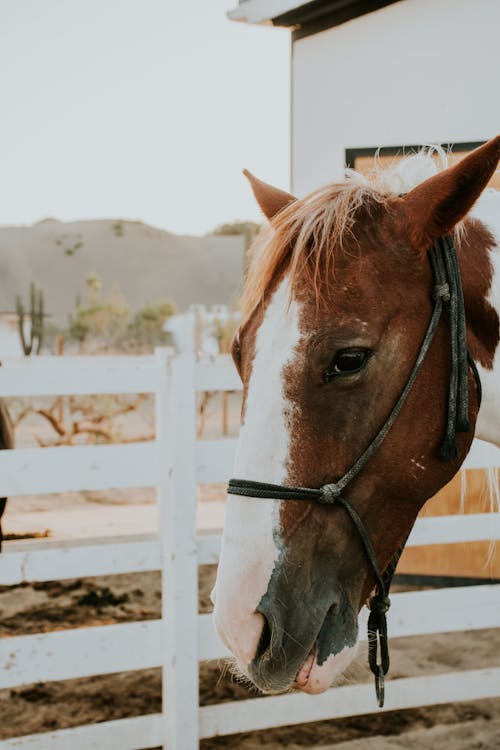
<point>303,236</point>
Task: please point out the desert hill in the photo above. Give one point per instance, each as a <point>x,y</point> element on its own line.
<point>145,263</point>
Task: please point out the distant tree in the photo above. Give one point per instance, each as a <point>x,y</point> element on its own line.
<point>100,317</point>
<point>249,230</point>
<point>70,243</point>
<point>108,321</point>
<point>118,229</point>
<point>146,326</point>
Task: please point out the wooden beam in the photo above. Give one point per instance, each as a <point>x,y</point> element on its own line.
<point>299,708</point>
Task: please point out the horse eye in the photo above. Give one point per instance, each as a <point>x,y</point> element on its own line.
<point>346,362</point>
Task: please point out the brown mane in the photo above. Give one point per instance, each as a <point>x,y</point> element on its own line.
<point>303,236</point>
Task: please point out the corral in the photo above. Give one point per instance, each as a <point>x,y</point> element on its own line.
<point>182,638</point>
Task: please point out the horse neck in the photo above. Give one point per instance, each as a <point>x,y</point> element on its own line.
<point>479,253</point>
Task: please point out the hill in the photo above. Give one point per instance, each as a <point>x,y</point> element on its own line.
<point>145,263</point>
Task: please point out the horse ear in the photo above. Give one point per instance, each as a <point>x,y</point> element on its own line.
<point>434,207</point>
<point>270,199</point>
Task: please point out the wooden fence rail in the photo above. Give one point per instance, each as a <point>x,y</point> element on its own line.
<point>173,463</point>
<point>82,652</point>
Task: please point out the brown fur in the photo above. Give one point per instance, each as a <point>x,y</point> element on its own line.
<point>331,424</point>
<point>483,325</point>
<point>446,198</point>
<point>304,234</point>
<point>303,237</point>
<point>6,441</point>
<point>357,263</point>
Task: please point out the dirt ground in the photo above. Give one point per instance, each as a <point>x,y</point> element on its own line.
<point>42,607</point>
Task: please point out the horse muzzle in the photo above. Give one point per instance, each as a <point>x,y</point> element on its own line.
<point>302,638</point>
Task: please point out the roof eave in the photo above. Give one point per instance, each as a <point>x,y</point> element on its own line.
<point>263,11</point>
<point>304,18</point>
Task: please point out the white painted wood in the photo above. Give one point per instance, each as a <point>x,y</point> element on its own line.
<point>58,376</point>
<point>137,733</point>
<point>209,644</point>
<point>215,460</point>
<point>50,560</point>
<point>472,527</point>
<point>217,374</point>
<point>83,467</point>
<point>181,638</point>
<point>263,713</point>
<point>444,610</point>
<point>482,455</point>
<point>412,613</point>
<point>298,708</point>
<point>73,468</point>
<point>79,652</point>
<point>107,649</point>
<point>79,360</point>
<point>176,436</point>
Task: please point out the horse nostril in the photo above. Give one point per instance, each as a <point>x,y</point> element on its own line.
<point>264,640</point>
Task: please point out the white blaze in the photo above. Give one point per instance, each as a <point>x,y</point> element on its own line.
<point>249,548</point>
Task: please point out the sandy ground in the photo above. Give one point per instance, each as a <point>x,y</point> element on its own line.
<point>32,608</point>
<point>467,735</point>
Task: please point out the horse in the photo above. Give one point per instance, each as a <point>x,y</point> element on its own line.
<point>336,311</point>
<point>6,442</point>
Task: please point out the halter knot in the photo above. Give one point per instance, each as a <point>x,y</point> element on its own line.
<point>441,291</point>
<point>329,494</point>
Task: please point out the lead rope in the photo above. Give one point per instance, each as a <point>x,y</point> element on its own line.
<point>447,290</point>
<point>377,628</point>
<point>458,395</point>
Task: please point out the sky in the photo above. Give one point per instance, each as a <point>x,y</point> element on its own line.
<point>139,109</point>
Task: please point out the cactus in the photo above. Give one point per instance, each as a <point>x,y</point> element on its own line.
<point>36,316</point>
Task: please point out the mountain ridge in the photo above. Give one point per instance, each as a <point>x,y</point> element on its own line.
<point>144,262</point>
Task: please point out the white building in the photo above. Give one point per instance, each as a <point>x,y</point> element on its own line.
<point>372,73</point>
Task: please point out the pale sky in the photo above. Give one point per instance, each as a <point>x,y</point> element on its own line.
<point>139,109</point>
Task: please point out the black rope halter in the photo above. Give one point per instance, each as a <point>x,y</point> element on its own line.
<point>447,292</point>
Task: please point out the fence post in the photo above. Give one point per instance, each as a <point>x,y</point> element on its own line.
<point>175,424</point>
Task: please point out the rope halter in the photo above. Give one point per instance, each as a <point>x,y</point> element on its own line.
<point>447,293</point>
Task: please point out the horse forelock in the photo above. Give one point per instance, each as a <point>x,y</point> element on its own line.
<point>303,238</point>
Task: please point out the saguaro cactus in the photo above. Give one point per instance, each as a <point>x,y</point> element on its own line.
<point>36,316</point>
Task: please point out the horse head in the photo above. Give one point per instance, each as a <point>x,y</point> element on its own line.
<point>337,303</point>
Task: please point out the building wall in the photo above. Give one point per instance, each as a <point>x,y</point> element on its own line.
<point>419,71</point>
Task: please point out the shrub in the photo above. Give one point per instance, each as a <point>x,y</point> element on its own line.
<point>147,324</point>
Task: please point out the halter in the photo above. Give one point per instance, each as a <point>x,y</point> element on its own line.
<point>447,291</point>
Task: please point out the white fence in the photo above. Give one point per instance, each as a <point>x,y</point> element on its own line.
<point>174,463</point>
